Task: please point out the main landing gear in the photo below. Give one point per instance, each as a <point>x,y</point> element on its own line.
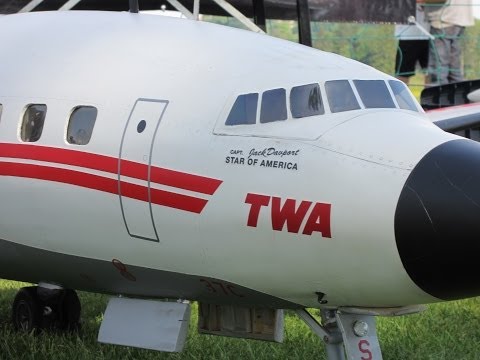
<point>46,307</point>
<point>350,333</point>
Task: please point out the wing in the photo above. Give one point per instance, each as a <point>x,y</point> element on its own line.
<point>456,119</point>
<point>453,107</point>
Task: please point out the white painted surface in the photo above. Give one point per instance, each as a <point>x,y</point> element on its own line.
<point>356,161</point>
<point>146,324</point>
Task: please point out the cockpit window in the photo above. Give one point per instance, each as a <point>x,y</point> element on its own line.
<point>340,96</point>
<point>306,101</point>
<point>274,106</point>
<point>374,93</point>
<point>32,124</point>
<point>402,95</point>
<point>80,126</point>
<point>244,111</point>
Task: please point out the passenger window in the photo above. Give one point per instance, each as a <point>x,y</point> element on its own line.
<point>274,106</point>
<point>80,125</point>
<point>374,93</point>
<point>1,109</point>
<point>341,96</point>
<point>402,95</point>
<point>244,111</point>
<point>32,124</point>
<point>306,101</point>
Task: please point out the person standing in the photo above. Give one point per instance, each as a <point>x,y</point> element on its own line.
<point>447,24</point>
<point>413,45</point>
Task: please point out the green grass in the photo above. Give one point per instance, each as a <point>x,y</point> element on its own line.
<point>445,331</point>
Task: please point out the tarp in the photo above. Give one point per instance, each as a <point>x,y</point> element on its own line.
<point>396,11</point>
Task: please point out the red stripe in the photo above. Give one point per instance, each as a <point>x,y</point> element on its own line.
<point>59,175</point>
<point>95,182</point>
<point>177,201</point>
<point>184,181</point>
<point>60,156</point>
<point>163,198</point>
<point>109,164</point>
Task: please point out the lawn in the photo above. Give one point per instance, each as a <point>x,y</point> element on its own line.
<point>445,331</point>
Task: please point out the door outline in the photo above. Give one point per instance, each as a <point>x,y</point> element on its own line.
<point>166,102</point>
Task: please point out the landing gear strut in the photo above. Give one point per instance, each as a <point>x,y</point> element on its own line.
<point>350,333</point>
<point>46,307</point>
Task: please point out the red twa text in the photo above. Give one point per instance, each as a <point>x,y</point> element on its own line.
<point>290,214</point>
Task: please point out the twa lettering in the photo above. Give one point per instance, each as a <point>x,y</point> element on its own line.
<point>288,212</point>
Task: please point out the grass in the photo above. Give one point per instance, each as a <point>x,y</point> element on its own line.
<point>445,331</point>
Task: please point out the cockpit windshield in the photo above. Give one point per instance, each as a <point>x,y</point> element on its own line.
<point>306,100</point>
<point>402,95</point>
<point>341,96</point>
<point>374,94</point>
<point>310,100</point>
<point>244,111</point>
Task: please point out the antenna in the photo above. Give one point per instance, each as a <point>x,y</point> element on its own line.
<point>133,6</point>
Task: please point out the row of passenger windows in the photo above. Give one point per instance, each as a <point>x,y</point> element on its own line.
<point>306,100</point>
<point>80,124</point>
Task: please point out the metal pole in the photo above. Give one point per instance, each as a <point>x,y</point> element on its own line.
<point>259,14</point>
<point>181,8</point>
<point>69,4</point>
<point>30,6</point>
<point>304,31</point>
<point>133,6</point>
<point>196,9</point>
<point>238,15</point>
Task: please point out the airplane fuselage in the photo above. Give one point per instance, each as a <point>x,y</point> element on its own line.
<point>168,200</point>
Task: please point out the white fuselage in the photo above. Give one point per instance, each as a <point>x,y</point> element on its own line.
<point>189,75</point>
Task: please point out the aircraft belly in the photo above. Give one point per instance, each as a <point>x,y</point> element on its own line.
<point>25,263</point>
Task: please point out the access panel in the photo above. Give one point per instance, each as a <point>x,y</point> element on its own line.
<point>134,167</point>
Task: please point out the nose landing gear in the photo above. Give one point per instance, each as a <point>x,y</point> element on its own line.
<point>350,333</point>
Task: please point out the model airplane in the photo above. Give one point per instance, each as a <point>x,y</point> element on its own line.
<point>160,158</point>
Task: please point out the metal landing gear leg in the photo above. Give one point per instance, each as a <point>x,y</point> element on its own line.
<point>347,336</point>
<point>350,333</point>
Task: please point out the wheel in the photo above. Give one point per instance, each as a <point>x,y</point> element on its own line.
<point>69,311</point>
<point>26,310</point>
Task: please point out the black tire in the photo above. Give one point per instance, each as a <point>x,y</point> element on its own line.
<point>70,310</point>
<point>26,310</point>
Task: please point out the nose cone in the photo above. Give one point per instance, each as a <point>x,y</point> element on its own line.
<point>437,221</point>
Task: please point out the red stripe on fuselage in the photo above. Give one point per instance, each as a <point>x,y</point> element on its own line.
<point>60,156</point>
<point>95,182</point>
<point>59,175</point>
<point>109,164</point>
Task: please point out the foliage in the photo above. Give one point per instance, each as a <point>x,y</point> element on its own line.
<point>471,51</point>
<point>372,44</point>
